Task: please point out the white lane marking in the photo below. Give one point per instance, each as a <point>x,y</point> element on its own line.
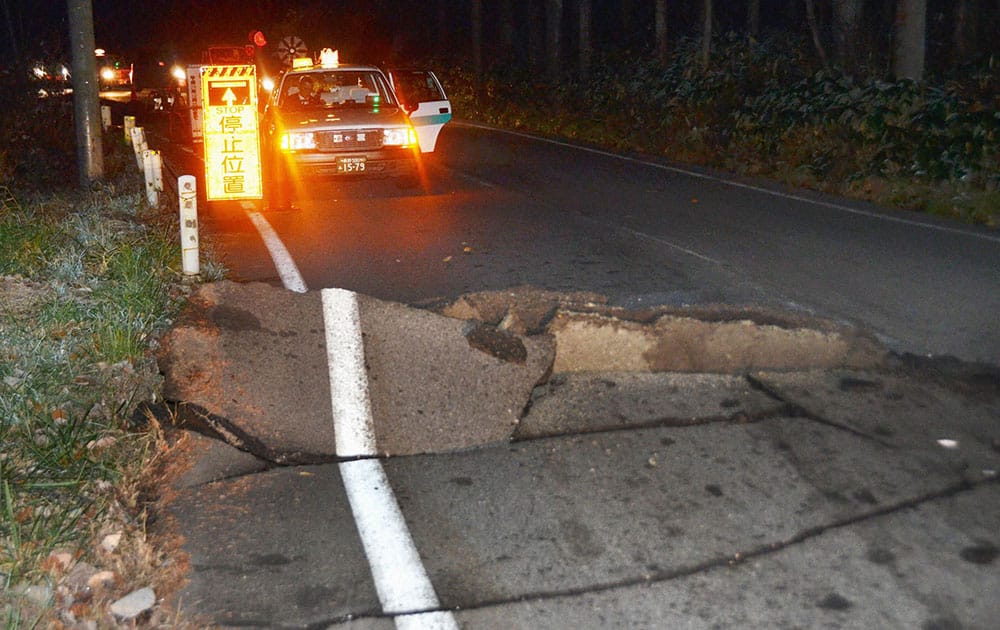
<point>400,578</point>
<point>735,184</point>
<point>401,581</point>
<point>287,269</point>
<point>345,355</point>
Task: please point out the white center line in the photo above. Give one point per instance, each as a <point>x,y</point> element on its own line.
<point>401,581</point>
<point>400,578</point>
<point>287,269</point>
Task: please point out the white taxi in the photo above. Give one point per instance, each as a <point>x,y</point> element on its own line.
<point>330,118</point>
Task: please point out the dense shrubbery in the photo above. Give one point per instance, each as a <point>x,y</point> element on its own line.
<point>766,108</point>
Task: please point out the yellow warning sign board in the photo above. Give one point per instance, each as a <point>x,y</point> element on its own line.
<point>230,132</point>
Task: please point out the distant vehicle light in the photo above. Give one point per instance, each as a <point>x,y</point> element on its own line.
<point>100,52</point>
<point>178,73</point>
<point>107,74</point>
<point>267,83</point>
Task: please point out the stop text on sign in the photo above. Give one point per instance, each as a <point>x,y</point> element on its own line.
<point>230,132</point>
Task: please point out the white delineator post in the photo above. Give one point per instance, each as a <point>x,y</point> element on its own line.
<point>152,168</point>
<point>105,117</point>
<point>187,189</point>
<point>139,144</point>
<point>129,124</point>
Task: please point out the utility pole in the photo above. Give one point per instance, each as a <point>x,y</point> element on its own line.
<point>86,97</point>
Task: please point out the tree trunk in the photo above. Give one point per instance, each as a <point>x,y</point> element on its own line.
<point>706,35</point>
<point>753,18</point>
<point>660,20</point>
<point>14,49</point>
<point>963,44</point>
<point>911,24</point>
<point>86,102</point>
<point>626,11</point>
<point>507,30</point>
<point>585,44</point>
<point>553,37</point>
<point>814,30</point>
<point>536,38</point>
<point>442,27</point>
<point>846,22</point>
<point>477,37</point>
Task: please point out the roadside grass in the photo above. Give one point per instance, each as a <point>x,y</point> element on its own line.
<point>88,280</point>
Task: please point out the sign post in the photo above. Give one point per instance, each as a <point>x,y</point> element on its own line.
<point>229,131</point>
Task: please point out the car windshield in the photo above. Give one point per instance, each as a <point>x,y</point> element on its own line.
<point>326,89</point>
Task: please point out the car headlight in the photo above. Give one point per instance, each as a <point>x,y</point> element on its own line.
<point>399,137</point>
<point>298,141</point>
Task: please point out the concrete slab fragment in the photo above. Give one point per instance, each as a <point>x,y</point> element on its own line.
<point>595,342</point>
<point>588,402</point>
<point>278,549</point>
<point>908,414</point>
<point>434,388</point>
<point>901,570</point>
<point>253,357</point>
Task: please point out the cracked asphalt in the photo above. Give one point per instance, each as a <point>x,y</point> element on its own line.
<point>857,491</point>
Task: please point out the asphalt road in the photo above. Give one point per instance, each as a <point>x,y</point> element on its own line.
<point>801,500</point>
<point>501,209</point>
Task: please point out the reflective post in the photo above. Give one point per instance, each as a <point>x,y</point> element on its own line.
<point>152,168</point>
<point>129,122</point>
<point>188,203</point>
<point>139,144</point>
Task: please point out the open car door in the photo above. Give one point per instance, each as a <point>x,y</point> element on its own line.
<point>424,100</point>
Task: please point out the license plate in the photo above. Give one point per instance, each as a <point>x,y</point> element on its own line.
<point>351,165</point>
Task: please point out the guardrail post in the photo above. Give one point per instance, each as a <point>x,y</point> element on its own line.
<point>139,144</point>
<point>129,122</point>
<point>188,192</point>
<point>152,168</point>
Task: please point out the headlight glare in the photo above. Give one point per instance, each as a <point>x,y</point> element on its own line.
<point>399,137</point>
<point>298,141</point>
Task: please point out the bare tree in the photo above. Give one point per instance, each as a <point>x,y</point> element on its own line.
<point>14,49</point>
<point>477,37</point>
<point>536,37</point>
<point>753,18</point>
<point>585,44</point>
<point>506,29</point>
<point>910,34</point>
<point>964,40</point>
<point>660,20</point>
<point>814,30</point>
<point>846,22</point>
<point>706,34</point>
<point>553,37</point>
<point>442,26</point>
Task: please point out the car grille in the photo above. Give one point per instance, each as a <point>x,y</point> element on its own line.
<point>349,139</point>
